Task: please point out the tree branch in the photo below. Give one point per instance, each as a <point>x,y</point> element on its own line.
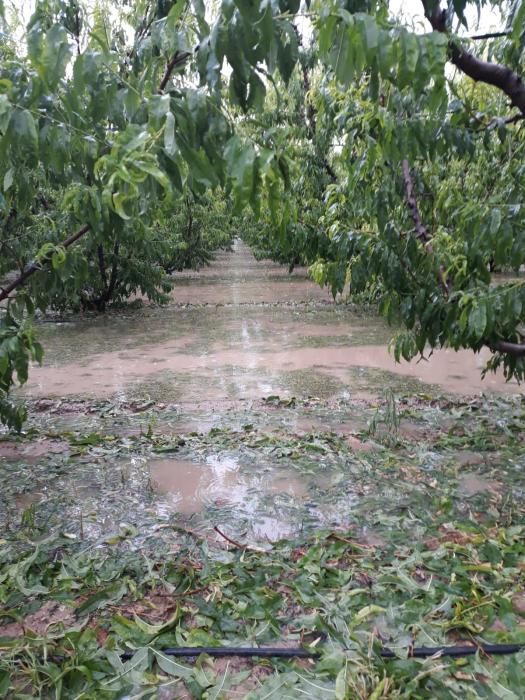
<point>113,275</point>
<point>494,74</point>
<point>237,544</point>
<point>178,58</point>
<point>102,266</point>
<point>421,230</point>
<point>505,346</point>
<point>33,267</point>
<point>489,35</point>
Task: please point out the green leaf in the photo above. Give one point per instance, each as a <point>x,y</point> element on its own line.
<point>518,25</point>
<point>370,33</point>
<point>341,685</point>
<point>495,221</point>
<point>8,179</point>
<point>58,257</point>
<point>240,158</point>
<point>367,611</point>
<point>24,125</point>
<point>459,7</point>
<point>409,54</point>
<point>159,105</point>
<point>5,676</point>
<point>118,200</point>
<point>477,321</point>
<point>140,661</point>
<point>56,55</point>
<point>111,594</point>
<point>172,667</point>
<point>175,13</point>
<point>155,630</point>
<point>287,50</point>
<point>169,134</point>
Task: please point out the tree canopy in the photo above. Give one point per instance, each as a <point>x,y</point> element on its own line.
<point>383,151</point>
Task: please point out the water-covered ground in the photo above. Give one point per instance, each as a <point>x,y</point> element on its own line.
<point>252,402</point>
<point>240,329</point>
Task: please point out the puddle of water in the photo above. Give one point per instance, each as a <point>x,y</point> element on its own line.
<point>31,452</point>
<point>188,487</point>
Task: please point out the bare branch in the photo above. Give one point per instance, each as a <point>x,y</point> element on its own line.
<point>237,544</point>
<point>489,35</point>
<point>505,346</point>
<point>178,58</point>
<point>515,118</point>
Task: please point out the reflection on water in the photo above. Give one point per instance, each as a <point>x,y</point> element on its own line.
<point>188,487</point>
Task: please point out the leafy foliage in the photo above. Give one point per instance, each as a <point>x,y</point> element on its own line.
<point>17,347</point>
<point>110,119</point>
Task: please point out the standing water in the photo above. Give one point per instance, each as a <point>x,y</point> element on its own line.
<point>260,386</point>
<point>239,329</point>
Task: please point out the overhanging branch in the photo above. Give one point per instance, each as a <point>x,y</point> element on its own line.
<point>33,267</point>
<point>508,348</point>
<point>488,35</point>
<point>494,74</point>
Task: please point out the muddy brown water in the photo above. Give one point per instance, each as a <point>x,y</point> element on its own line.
<point>239,329</point>
<point>187,487</point>
<point>236,332</point>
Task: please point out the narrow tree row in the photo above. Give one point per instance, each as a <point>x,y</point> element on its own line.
<point>387,159</point>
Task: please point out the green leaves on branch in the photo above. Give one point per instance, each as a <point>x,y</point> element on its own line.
<point>17,348</point>
<point>49,53</point>
<point>355,44</point>
<point>256,40</point>
<point>55,254</point>
<point>129,170</point>
<point>257,174</point>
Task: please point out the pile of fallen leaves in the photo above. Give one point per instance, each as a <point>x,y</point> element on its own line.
<point>69,612</point>
<point>432,554</point>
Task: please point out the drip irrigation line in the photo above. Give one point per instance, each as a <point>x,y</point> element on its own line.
<point>301,653</point>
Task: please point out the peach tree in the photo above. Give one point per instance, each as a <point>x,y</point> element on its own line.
<point>111,113</point>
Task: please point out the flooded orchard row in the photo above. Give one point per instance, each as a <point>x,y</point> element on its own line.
<point>108,474</point>
<point>251,400</point>
<point>240,329</point>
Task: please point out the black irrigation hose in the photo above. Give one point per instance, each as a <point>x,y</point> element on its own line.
<point>423,652</point>
<point>301,653</point>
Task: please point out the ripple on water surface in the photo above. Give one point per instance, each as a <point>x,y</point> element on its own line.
<point>188,487</point>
